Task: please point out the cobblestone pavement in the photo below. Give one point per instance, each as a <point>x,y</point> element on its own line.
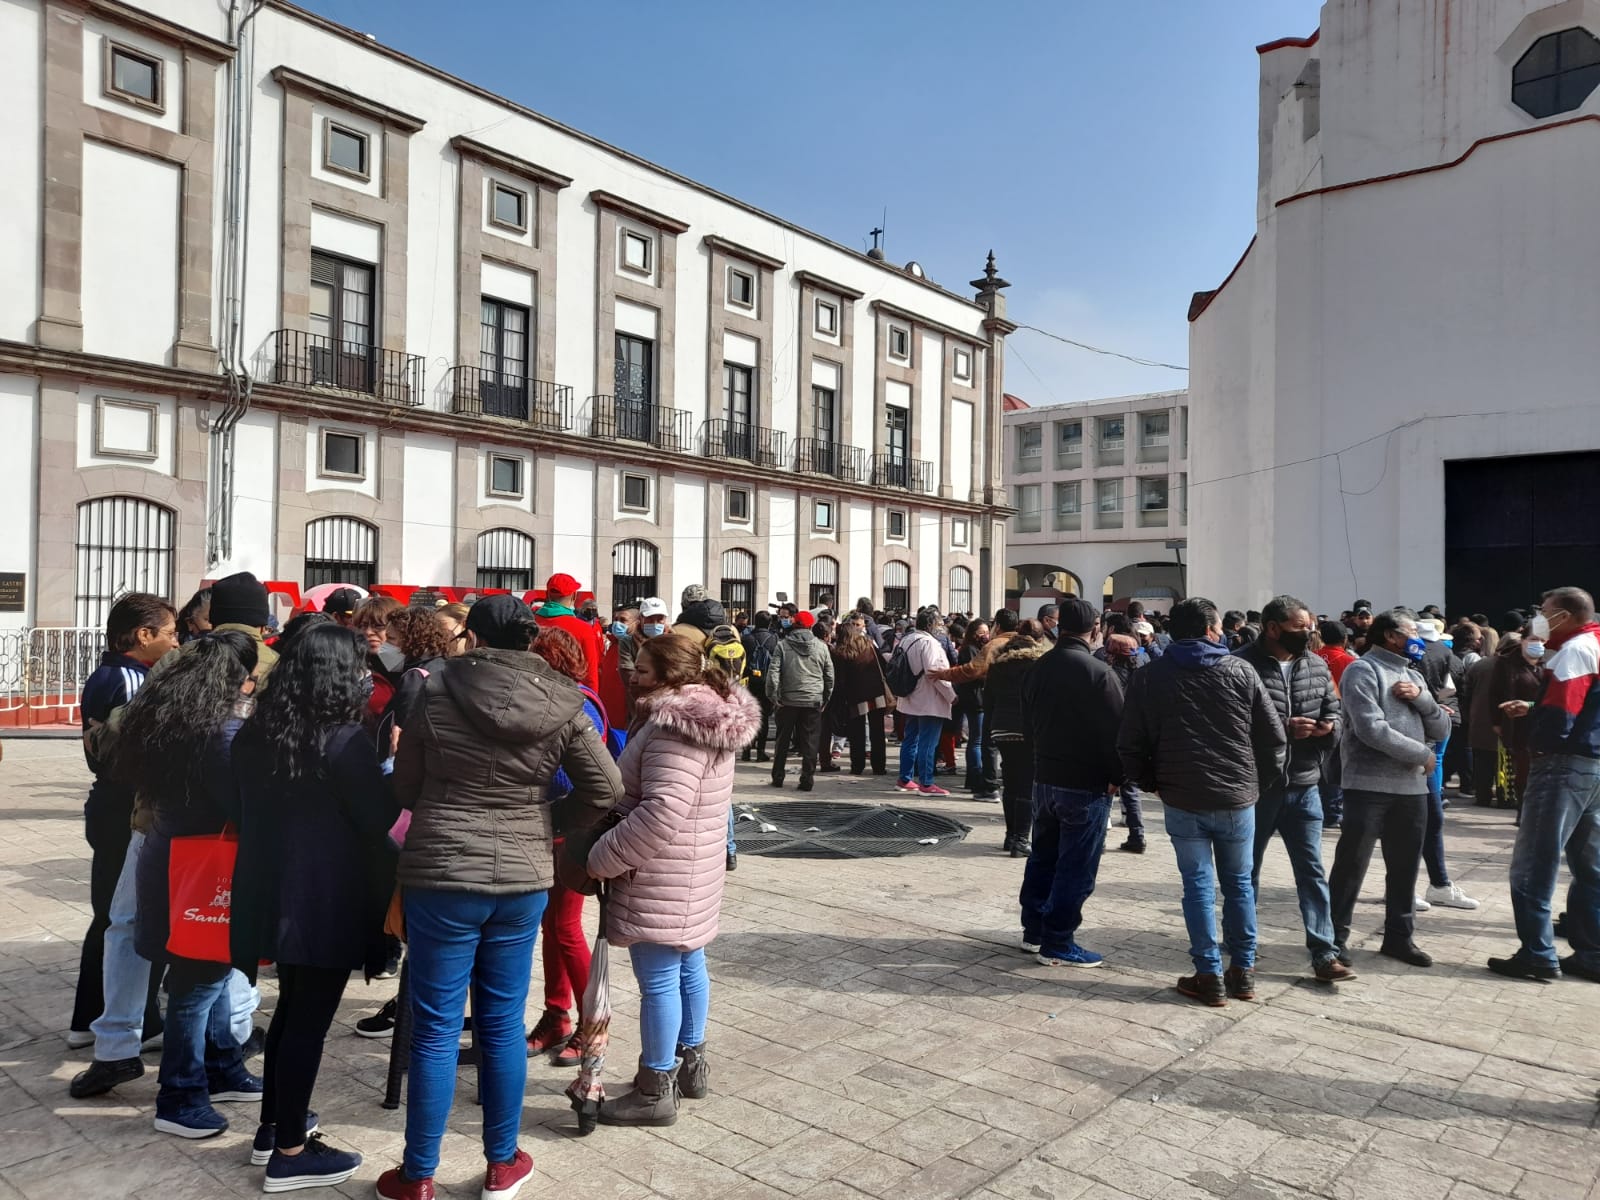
<point>876,1033</point>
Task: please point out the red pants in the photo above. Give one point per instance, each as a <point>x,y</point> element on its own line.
<point>947,747</point>
<point>566,950</point>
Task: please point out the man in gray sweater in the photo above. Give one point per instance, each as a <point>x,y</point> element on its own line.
<point>1390,724</point>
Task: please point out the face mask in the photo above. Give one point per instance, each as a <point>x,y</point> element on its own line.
<point>1416,649</point>
<point>1533,650</point>
<point>785,622</point>
<point>653,630</point>
<point>1294,641</point>
<point>1541,627</point>
<point>618,628</point>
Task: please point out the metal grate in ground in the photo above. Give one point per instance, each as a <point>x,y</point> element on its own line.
<point>819,829</point>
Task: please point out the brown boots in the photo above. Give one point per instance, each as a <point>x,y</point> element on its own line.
<point>653,1101</point>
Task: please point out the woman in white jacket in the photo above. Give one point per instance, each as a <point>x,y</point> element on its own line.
<point>926,709</point>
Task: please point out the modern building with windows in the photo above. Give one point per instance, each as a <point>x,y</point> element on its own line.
<point>1101,496</point>
<point>1394,389</point>
<point>282,299</point>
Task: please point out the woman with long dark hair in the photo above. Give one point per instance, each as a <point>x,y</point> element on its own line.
<point>980,780</point>
<point>314,877</point>
<point>860,696</point>
<point>1013,733</point>
<point>665,859</point>
<point>194,618</point>
<point>475,766</point>
<point>173,749</point>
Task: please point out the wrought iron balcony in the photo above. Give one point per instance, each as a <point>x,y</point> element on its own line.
<point>815,456</point>
<point>752,443</point>
<point>638,421</point>
<point>897,471</point>
<point>537,402</point>
<point>312,360</point>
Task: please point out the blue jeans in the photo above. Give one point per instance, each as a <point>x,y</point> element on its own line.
<point>1433,835</point>
<point>1332,804</point>
<point>1296,814</point>
<point>1560,809</point>
<point>243,1000</point>
<point>458,939</point>
<point>200,1054</point>
<point>1069,834</point>
<point>917,749</point>
<point>674,1001</point>
<point>1132,810</point>
<point>119,1028</point>
<point>733,847</point>
<point>980,751</point>
<point>1229,837</point>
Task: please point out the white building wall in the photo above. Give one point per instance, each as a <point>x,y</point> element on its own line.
<point>961,435</point>
<point>19,408</point>
<point>928,583</point>
<point>130,254</point>
<point>930,407</point>
<point>688,536</point>
<point>574,502</point>
<point>783,510</point>
<point>20,147</point>
<point>857,580</point>
<point>427,505</point>
<point>255,492</point>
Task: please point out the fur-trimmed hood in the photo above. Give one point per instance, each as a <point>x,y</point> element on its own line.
<point>700,715</point>
<point>1019,650</point>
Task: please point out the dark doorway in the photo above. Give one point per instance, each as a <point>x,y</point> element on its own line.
<point>1516,527</point>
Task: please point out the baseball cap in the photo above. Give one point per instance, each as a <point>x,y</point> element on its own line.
<point>1144,627</point>
<point>561,585</point>
<point>341,600</point>
<point>695,593</point>
<point>489,617</point>
<point>655,606</point>
<point>804,619</point>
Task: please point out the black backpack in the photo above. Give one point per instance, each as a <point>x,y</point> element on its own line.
<point>902,680</point>
<point>761,658</point>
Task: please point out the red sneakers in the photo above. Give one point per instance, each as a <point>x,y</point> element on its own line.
<point>392,1185</point>
<point>570,1055</point>
<point>554,1028</point>
<point>502,1180</point>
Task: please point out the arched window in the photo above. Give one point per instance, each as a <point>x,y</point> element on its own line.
<point>960,589</point>
<point>633,572</point>
<point>824,580</point>
<point>124,545</point>
<point>896,586</point>
<point>341,550</point>
<point>505,560</point>
<point>738,581</point>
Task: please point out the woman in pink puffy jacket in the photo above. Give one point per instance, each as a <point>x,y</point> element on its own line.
<point>666,860</point>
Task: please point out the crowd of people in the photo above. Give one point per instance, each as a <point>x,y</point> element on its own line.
<point>447,783</point>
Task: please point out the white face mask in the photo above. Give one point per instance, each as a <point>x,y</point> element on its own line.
<point>1540,627</point>
<point>1533,650</point>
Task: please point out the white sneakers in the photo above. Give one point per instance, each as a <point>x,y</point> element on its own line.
<point>1418,904</point>
<point>1449,896</point>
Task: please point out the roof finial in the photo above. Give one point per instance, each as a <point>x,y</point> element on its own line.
<point>991,281</point>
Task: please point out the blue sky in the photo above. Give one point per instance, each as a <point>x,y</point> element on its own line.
<point>1107,152</point>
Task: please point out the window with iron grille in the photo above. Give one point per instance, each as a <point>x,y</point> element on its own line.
<point>505,560</point>
<point>633,572</point>
<point>823,579</point>
<point>124,544</point>
<point>341,550</point>
<point>897,586</point>
<point>960,589</point>
<point>738,581</point>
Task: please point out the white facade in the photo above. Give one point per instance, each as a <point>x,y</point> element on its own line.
<point>1101,489</point>
<point>370,219</point>
<point>1418,298</point>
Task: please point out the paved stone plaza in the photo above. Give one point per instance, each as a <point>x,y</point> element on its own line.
<point>875,1033</point>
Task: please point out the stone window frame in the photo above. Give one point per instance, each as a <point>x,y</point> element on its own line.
<point>889,535</point>
<point>728,513</point>
<point>726,317</point>
<point>831,527</point>
<point>818,304</point>
<point>525,201</point>
<point>622,493</point>
<point>108,88</point>
<point>837,351</point>
<point>904,331</point>
<point>360,439</point>
<point>522,477</point>
<point>961,540</point>
<point>624,237</point>
<point>152,412</point>
<point>957,354</point>
<point>329,126</point>
<point>658,290</point>
<point>753,278</point>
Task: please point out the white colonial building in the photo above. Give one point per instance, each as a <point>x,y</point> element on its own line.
<point>280,298</point>
<point>1396,387</point>
<point>1100,490</point>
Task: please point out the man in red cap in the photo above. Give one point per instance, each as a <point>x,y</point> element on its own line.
<point>557,613</point>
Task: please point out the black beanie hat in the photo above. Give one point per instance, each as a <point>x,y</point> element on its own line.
<point>239,600</point>
<point>1077,616</point>
<point>488,619</point>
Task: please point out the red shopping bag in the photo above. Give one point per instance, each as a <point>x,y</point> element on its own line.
<point>200,896</point>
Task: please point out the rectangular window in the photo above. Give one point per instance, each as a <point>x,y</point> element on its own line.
<point>738,395</point>
<point>505,476</point>
<point>738,504</point>
<point>741,288</point>
<point>1108,492</point>
<point>897,524</point>
<point>1028,508</point>
<point>899,344</point>
<point>822,516</point>
<point>963,365</point>
<point>1154,429</point>
<point>508,208</point>
<point>824,423</point>
<point>1153,494</point>
<point>345,150</point>
<point>1069,499</point>
<point>342,454</point>
<point>1069,436</point>
<point>1030,441</point>
<point>503,358</point>
<point>341,323</point>
<point>960,531</point>
<point>133,77</point>
<point>636,493</point>
<point>636,252</point>
<point>1111,433</point>
<point>827,318</point>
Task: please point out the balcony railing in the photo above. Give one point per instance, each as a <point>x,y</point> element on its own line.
<point>637,421</point>
<point>538,402</point>
<point>814,456</point>
<point>752,443</point>
<point>892,470</point>
<point>311,360</point>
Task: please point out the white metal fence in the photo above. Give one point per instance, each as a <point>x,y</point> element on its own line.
<point>42,671</point>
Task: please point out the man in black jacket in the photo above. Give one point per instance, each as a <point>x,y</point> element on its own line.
<point>1199,729</point>
<point>1075,704</point>
<point>1300,687</point>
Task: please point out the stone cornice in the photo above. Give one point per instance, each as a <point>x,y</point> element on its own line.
<point>159,28</point>
<point>823,284</point>
<point>735,250</point>
<point>912,318</point>
<point>638,212</point>
<point>510,164</point>
<point>390,118</point>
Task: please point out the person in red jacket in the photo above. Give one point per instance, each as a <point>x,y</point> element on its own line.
<point>557,612</point>
<point>1335,650</point>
